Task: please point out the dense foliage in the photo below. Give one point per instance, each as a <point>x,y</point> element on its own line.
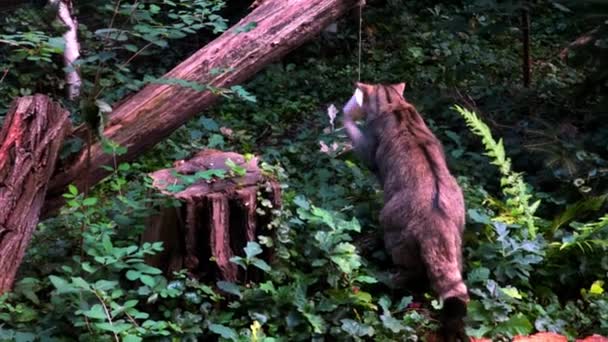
<point>531,161</point>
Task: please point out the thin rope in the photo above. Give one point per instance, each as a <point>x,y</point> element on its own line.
<point>360,38</point>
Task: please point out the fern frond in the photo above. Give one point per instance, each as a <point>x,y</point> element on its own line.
<point>586,237</point>
<point>517,192</point>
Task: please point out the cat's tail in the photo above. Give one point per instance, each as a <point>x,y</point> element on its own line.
<point>452,320</point>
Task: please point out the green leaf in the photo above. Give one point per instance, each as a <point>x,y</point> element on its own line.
<point>215,140</point>
<point>131,338</point>
<point>366,279</point>
<point>578,209</point>
<point>511,292</point>
<point>246,28</point>
<point>354,328</point>
<point>391,323</point>
<point>597,288</point>
<point>268,287</point>
<point>73,189</point>
<point>81,283</point>
<point>517,324</point>
<point>261,264</point>
<point>317,322</point>
<point>252,249</point>
<point>229,287</point>
<point>224,331</point>
<point>405,301</point>
<point>61,284</point>
<point>478,275</point>
<point>147,280</point>
<point>133,275</point>
<point>209,124</point>
<point>107,243</point>
<point>239,261</point>
<point>95,312</point>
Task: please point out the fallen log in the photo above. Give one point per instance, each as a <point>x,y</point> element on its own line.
<point>276,27</point>
<point>216,217</point>
<point>30,140</point>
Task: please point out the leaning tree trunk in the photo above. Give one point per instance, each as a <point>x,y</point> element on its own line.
<point>278,26</point>
<point>31,136</point>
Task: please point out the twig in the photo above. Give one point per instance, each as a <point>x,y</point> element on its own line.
<point>105,309</point>
<point>4,75</point>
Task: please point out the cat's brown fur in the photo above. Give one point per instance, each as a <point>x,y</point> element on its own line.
<point>423,214</point>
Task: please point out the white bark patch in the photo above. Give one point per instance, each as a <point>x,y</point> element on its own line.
<point>72,47</point>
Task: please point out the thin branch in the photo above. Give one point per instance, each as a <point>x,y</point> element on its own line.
<point>4,75</point>
<point>105,309</point>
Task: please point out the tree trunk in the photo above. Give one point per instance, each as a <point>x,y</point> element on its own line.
<point>159,109</point>
<point>31,137</point>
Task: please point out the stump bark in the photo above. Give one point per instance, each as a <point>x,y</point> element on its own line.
<point>30,140</point>
<point>216,217</point>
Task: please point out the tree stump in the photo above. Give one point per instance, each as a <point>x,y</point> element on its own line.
<point>30,139</point>
<point>216,217</point>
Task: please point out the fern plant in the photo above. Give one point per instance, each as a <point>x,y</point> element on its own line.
<point>586,237</point>
<point>518,195</point>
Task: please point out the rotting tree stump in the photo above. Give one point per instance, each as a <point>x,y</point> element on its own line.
<point>30,140</point>
<point>214,219</point>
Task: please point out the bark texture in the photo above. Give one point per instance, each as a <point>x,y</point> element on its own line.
<point>157,110</point>
<point>215,220</point>
<point>30,139</point>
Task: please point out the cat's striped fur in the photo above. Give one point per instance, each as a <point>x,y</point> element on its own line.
<point>423,215</point>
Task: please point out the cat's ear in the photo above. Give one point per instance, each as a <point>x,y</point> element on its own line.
<point>399,87</point>
<point>359,97</point>
<point>362,92</point>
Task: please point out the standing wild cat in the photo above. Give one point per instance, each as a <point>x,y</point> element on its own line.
<point>423,214</point>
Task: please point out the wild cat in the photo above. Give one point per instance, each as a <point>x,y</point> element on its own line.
<point>423,216</point>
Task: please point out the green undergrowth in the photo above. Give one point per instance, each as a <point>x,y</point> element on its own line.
<point>536,237</point>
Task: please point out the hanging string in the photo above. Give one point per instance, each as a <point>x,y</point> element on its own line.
<point>361,4</point>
